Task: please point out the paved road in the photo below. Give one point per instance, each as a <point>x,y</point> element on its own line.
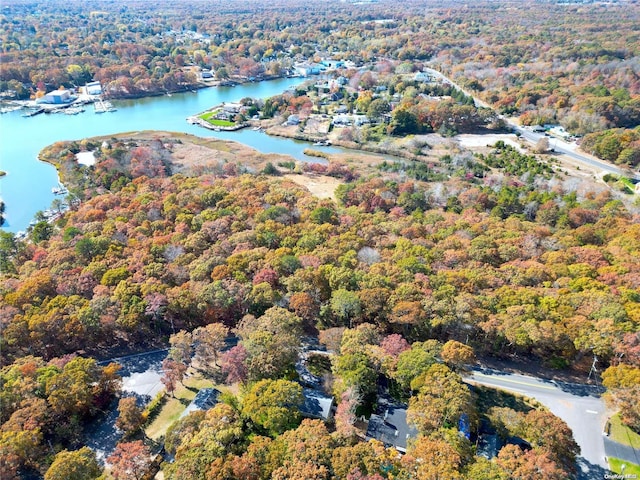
<point>558,145</point>
<point>568,149</point>
<point>623,452</point>
<point>580,406</point>
<point>141,375</point>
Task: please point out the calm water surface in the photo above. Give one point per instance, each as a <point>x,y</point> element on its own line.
<point>27,186</point>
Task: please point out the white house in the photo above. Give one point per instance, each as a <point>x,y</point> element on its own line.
<point>306,69</point>
<point>423,77</point>
<point>293,120</point>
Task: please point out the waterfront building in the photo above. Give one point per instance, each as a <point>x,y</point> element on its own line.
<point>57,97</point>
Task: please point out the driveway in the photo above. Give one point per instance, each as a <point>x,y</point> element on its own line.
<point>623,452</point>
<point>580,406</point>
<point>141,375</point>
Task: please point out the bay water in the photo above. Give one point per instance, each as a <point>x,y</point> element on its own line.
<point>27,187</point>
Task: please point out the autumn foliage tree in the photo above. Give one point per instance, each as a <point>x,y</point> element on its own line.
<point>273,405</point>
<point>130,461</point>
<point>234,364</point>
<point>130,416</point>
<point>532,464</point>
<point>441,399</point>
<point>173,373</point>
<point>271,342</point>
<point>74,465</point>
<point>457,355</point>
<point>623,385</point>
<point>432,459</point>
<point>209,340</point>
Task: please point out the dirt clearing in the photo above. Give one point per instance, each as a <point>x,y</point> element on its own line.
<point>319,186</point>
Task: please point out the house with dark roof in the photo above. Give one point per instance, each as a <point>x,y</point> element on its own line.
<point>316,405</point>
<point>204,400</point>
<point>390,426</point>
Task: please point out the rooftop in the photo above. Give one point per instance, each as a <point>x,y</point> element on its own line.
<point>390,426</point>
<point>316,404</point>
<point>204,400</point>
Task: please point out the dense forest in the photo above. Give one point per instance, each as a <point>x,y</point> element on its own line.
<point>396,274</point>
<point>417,266</point>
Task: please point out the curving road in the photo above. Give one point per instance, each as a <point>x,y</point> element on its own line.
<point>141,373</point>
<point>580,406</point>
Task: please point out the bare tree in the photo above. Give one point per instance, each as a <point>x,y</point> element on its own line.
<point>542,145</point>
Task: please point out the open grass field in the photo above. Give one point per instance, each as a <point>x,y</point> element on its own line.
<point>174,406</point>
<point>622,434</point>
<point>615,464</point>
<point>209,117</point>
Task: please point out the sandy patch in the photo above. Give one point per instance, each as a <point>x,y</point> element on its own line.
<point>86,158</point>
<point>320,186</point>
<point>474,141</point>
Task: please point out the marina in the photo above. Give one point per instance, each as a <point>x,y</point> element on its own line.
<point>103,106</point>
<point>10,109</point>
<point>73,110</point>
<point>27,187</point>
<point>33,112</point>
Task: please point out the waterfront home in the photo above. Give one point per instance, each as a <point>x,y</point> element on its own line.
<point>87,159</point>
<point>93,88</point>
<point>293,120</point>
<point>232,107</point>
<point>306,69</point>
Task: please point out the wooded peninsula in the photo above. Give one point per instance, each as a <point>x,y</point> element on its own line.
<point>370,284</point>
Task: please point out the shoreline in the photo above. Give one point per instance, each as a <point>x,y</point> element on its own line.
<point>201,85</point>
<point>281,133</point>
<point>232,82</point>
<point>20,213</point>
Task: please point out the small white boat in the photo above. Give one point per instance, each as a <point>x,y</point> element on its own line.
<point>102,106</point>
<point>74,110</point>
